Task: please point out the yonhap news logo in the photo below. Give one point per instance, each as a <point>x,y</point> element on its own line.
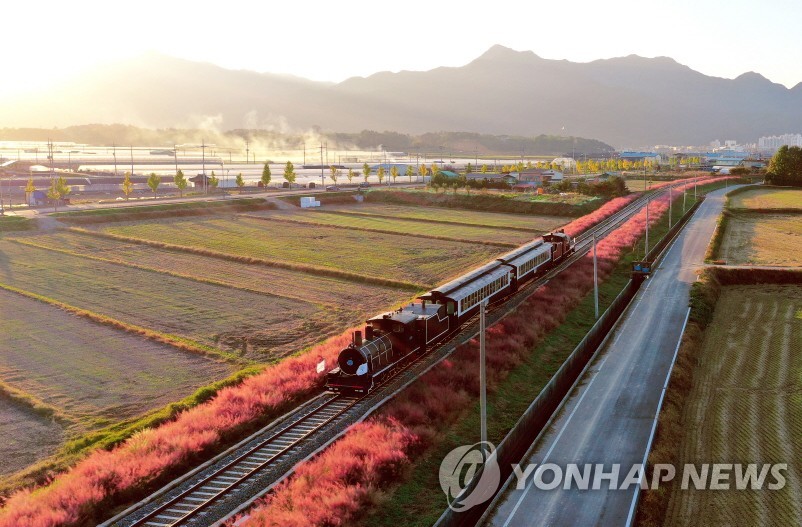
<point>458,469</point>
<point>464,463</point>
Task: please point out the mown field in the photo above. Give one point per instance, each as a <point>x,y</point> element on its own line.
<point>241,290</point>
<point>745,406</point>
<point>417,260</point>
<point>762,239</point>
<point>89,374</point>
<point>421,228</point>
<point>530,223</point>
<point>349,298</point>
<point>233,320</point>
<point>768,198</point>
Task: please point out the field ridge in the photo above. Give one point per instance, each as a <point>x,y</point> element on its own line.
<point>311,269</point>
<point>131,265</point>
<point>440,222</point>
<point>181,343</point>
<point>504,245</point>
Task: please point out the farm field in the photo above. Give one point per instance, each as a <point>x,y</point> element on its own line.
<point>90,373</point>
<point>467,233</point>
<point>768,198</point>
<point>763,239</point>
<point>25,437</point>
<point>209,314</point>
<point>351,299</point>
<point>532,223</point>
<point>745,406</point>
<point>415,260</point>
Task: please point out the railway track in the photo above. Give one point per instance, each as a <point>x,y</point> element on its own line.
<point>192,502</point>
<point>206,497</point>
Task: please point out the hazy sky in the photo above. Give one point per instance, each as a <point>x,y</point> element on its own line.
<point>334,40</point>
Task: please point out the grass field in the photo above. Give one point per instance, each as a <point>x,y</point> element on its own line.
<point>93,374</point>
<point>209,314</point>
<point>348,297</point>
<point>372,254</point>
<point>768,198</point>
<point>745,406</point>
<point>525,222</point>
<point>762,239</point>
<point>25,437</point>
<point>462,233</point>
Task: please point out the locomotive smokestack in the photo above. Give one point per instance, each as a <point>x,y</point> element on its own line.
<point>368,332</point>
<point>357,339</point>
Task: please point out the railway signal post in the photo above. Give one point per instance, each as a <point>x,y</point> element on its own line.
<point>482,372</point>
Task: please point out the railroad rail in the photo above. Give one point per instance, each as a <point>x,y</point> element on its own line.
<point>235,479</point>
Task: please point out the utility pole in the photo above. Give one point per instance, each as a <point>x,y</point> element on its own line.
<point>247,152</point>
<point>647,230</point>
<point>203,166</point>
<point>322,179</point>
<point>114,153</point>
<point>670,201</point>
<point>595,279</point>
<point>175,158</point>
<point>482,371</point>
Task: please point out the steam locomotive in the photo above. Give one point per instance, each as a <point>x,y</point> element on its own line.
<point>393,339</point>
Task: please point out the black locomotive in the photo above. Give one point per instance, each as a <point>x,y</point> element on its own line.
<point>393,338</point>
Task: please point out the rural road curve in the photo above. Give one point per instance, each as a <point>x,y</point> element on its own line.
<point>608,417</point>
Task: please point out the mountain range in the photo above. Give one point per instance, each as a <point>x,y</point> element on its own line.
<point>627,102</point>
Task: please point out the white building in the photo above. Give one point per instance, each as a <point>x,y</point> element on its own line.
<point>774,142</point>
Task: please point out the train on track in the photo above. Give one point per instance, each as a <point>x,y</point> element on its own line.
<point>393,339</point>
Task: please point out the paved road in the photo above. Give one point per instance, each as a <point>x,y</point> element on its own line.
<point>148,201</point>
<point>609,416</point>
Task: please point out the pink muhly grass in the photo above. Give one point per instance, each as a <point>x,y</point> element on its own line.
<point>434,401</point>
<point>106,477</point>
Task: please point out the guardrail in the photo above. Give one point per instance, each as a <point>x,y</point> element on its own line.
<point>540,412</point>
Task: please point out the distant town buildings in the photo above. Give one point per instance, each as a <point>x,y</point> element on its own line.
<point>773,142</point>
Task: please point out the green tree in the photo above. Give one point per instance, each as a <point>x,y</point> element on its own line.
<point>180,182</point>
<point>380,174</point>
<point>438,180</point>
<point>484,169</point>
<point>58,191</point>
<point>785,167</point>
<point>334,173</point>
<point>435,170</point>
<point>468,168</point>
<point>366,171</point>
<point>213,181</point>
<point>266,175</point>
<point>461,182</point>
<point>289,173</point>
<point>128,187</point>
<point>153,182</point>
<point>350,175</point>
<point>240,182</point>
<point>423,171</point>
<point>394,173</point>
<point>409,172</point>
